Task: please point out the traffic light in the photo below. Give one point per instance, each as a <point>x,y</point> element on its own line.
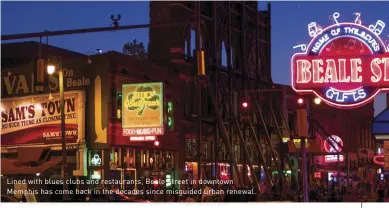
<point>170,118</point>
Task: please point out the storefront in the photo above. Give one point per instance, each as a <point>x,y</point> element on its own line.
<point>31,118</point>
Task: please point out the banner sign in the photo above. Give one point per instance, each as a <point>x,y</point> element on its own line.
<point>345,64</point>
<point>142,109</point>
<point>37,119</point>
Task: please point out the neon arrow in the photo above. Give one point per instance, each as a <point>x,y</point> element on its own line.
<point>100,132</point>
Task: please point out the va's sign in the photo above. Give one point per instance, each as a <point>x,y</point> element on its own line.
<point>346,64</point>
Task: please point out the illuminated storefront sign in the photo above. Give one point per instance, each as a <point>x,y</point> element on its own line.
<point>333,145</point>
<point>142,113</point>
<point>113,159</point>
<point>345,64</point>
<point>379,160</point>
<point>95,158</point>
<point>142,138</point>
<point>96,175</point>
<point>317,175</point>
<point>168,180</point>
<point>333,158</point>
<point>143,131</point>
<point>37,119</point>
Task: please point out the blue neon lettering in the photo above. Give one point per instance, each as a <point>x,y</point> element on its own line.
<point>342,97</point>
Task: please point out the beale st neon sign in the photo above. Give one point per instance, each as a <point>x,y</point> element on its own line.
<point>345,64</point>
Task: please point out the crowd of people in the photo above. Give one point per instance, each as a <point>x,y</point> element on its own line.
<point>351,191</point>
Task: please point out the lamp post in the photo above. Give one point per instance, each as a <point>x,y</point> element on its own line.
<point>51,68</point>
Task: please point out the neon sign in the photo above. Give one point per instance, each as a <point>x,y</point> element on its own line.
<point>142,138</point>
<point>333,158</point>
<point>96,160</point>
<point>379,160</point>
<point>143,131</point>
<point>142,112</point>
<point>96,175</point>
<point>346,64</point>
<point>317,175</point>
<point>334,145</point>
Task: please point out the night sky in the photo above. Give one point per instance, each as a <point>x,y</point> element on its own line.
<point>289,25</point>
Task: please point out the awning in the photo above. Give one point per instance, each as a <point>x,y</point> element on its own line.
<point>14,167</point>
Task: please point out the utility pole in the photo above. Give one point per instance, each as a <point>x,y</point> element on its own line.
<point>63,133</point>
<point>200,72</point>
<point>302,124</point>
<point>304,168</point>
<point>348,168</point>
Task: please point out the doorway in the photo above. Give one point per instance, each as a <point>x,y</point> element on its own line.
<point>129,179</point>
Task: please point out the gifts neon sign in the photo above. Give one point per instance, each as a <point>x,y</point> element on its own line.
<point>345,64</point>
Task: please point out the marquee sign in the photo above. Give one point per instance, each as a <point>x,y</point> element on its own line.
<point>37,119</point>
<point>345,64</point>
<point>142,109</point>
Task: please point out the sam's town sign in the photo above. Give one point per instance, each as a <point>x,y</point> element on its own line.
<point>345,64</point>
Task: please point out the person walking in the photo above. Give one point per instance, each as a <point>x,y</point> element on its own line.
<point>368,189</point>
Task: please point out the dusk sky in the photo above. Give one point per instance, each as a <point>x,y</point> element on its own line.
<point>289,25</point>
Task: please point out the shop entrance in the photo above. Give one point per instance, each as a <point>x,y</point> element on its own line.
<point>126,177</point>
<point>129,179</point>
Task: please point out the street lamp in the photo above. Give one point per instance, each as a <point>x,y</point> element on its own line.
<point>317,101</point>
<point>51,68</point>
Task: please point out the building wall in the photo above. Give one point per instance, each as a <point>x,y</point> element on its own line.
<point>353,126</point>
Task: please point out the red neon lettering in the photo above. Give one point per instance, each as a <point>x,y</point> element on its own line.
<point>386,69</point>
<point>355,69</point>
<point>376,70</point>
<point>316,73</point>
<point>303,73</point>
<point>331,71</point>
<point>342,71</point>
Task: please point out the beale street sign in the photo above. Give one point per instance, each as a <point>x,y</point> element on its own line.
<point>345,64</point>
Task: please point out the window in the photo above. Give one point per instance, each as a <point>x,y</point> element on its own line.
<point>223,55</point>
<point>190,90</point>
